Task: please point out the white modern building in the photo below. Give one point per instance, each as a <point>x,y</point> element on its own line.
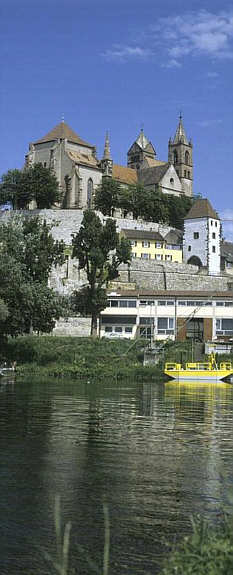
<point>159,315</point>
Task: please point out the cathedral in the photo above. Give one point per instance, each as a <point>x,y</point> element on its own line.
<point>79,171</point>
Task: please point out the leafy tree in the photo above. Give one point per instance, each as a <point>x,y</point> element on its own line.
<point>107,196</point>
<point>100,251</point>
<point>27,254</point>
<point>35,183</point>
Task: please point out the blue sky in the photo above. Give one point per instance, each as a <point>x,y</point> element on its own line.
<point>117,65</point>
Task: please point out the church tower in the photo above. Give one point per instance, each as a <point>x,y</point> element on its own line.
<point>106,162</point>
<point>180,154</point>
<point>140,150</point>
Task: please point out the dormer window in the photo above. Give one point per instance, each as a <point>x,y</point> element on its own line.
<point>172,181</point>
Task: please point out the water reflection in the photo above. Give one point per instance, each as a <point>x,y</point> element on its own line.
<point>156,453</point>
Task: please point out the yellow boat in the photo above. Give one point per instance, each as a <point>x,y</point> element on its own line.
<point>200,371</point>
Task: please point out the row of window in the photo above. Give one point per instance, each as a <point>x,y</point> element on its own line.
<point>196,235</point>
<point>158,257</point>
<point>166,326</point>
<point>167,302</point>
<point>158,245</point>
<point>213,249</point>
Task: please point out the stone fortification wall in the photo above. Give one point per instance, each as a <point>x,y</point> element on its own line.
<point>152,275</point>
<point>69,222</point>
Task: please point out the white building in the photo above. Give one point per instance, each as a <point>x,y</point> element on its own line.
<point>202,232</point>
<point>176,314</point>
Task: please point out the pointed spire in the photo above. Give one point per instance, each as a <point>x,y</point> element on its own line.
<point>107,153</point>
<point>142,140</point>
<point>180,135</point>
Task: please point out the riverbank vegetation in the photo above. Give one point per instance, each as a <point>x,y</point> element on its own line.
<point>81,358</point>
<point>207,551</point>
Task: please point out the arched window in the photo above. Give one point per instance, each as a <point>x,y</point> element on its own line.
<point>187,158</point>
<point>175,156</point>
<point>89,192</point>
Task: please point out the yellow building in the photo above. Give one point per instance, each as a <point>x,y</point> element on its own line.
<point>151,245</point>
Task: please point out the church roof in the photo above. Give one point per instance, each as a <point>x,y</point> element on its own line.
<point>150,176</point>
<point>62,131</point>
<point>180,135</point>
<point>152,162</point>
<point>142,140</point>
<point>201,209</point>
<point>84,159</point>
<point>124,175</point>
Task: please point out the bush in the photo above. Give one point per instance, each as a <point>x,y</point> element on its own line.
<point>208,551</point>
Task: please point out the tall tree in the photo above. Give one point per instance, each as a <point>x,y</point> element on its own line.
<point>37,183</point>
<point>100,251</point>
<point>27,254</point>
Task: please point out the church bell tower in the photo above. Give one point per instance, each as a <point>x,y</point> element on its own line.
<point>180,154</point>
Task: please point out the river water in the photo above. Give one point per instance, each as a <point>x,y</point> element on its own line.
<point>154,453</point>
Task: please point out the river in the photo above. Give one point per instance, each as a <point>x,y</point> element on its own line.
<point>154,453</point>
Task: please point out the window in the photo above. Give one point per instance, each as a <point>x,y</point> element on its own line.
<point>175,157</point>
<point>158,257</point>
<point>89,192</point>
<point>216,223</point>
<point>146,320</point>
<point>168,258</point>
<point>224,326</point>
<point>187,158</point>
<point>144,302</point>
<point>158,245</point>
<point>118,329</point>
<point>189,248</point>
<point>121,303</point>
<point>211,222</point>
<point>134,254</point>
<point>166,325</point>
<point>213,235</point>
<point>45,164</point>
<point>131,303</point>
<point>213,249</point>
<point>166,302</point>
<point>188,174</point>
<point>196,235</point>
<point>171,181</point>
<point>145,244</point>
<point>224,303</point>
<point>133,242</point>
<point>108,329</point>
<point>185,173</point>
<point>145,256</point>
<point>128,329</point>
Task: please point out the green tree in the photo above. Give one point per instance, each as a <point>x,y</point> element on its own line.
<point>106,197</point>
<point>27,254</point>
<point>35,183</point>
<point>100,251</point>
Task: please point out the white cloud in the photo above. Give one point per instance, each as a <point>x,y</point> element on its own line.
<point>123,53</point>
<point>209,123</point>
<point>173,38</point>
<point>196,34</point>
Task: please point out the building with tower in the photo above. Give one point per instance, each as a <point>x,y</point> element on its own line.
<point>79,171</point>
<point>202,233</point>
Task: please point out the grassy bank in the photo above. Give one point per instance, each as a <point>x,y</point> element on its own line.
<point>84,358</point>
